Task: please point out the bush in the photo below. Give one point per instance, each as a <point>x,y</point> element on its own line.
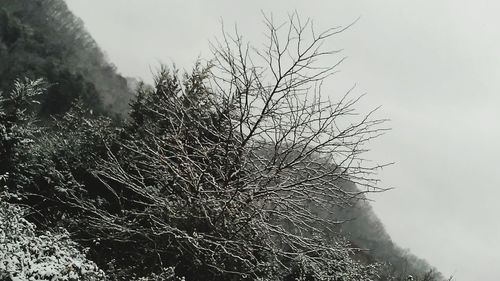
<point>24,255</point>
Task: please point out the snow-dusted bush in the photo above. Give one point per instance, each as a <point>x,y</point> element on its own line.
<point>24,255</point>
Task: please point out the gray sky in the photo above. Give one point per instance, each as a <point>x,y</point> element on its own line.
<point>432,65</point>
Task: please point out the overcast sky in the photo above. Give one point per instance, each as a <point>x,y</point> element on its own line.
<point>434,66</point>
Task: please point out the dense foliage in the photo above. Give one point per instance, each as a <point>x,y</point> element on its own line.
<point>123,198</point>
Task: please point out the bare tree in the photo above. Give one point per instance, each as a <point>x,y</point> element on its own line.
<point>299,147</point>
<point>235,169</point>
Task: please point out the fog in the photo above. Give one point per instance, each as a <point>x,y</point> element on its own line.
<point>432,65</point>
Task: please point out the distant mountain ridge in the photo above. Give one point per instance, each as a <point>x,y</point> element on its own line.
<point>366,231</point>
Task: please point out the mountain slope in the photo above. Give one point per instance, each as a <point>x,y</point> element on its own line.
<point>365,230</point>
<point>42,38</point>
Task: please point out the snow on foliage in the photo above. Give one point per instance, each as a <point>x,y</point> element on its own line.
<point>168,274</point>
<point>24,255</point>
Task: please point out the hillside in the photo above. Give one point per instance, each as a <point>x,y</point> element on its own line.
<point>176,189</point>
<point>366,231</point>
<point>43,39</point>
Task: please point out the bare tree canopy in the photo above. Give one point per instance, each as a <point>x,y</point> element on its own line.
<point>254,150</point>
